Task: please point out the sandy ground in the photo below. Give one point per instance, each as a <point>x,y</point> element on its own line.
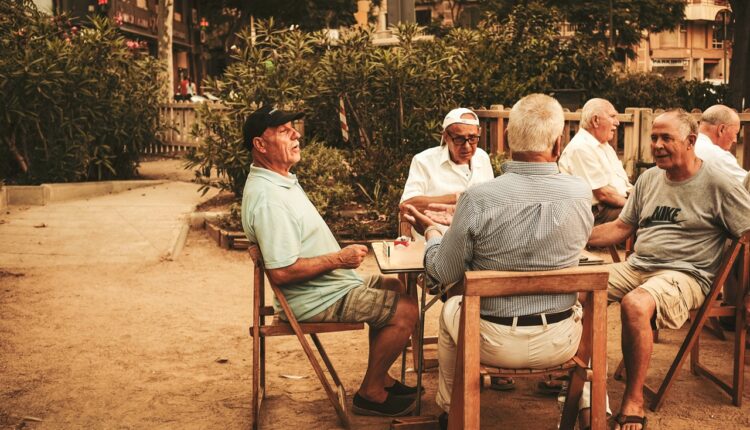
<point>164,345</point>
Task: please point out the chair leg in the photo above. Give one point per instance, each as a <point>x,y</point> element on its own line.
<point>714,327</point>
<point>258,391</point>
<point>572,399</point>
<point>332,397</point>
<point>263,367</point>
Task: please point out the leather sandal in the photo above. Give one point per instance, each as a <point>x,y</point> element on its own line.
<point>621,420</point>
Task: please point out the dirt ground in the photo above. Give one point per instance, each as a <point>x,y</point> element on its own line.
<point>165,345</point>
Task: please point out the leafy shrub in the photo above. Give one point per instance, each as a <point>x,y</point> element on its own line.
<point>222,149</point>
<point>78,104</point>
<point>324,174</point>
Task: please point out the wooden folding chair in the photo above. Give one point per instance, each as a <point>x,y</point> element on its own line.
<point>260,330</point>
<point>711,308</point>
<point>591,280</point>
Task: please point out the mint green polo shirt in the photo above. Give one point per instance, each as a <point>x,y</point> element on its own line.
<point>278,216</point>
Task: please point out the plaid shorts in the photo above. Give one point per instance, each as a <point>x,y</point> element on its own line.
<point>367,303</point>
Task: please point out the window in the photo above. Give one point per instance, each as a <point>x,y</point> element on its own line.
<point>423,16</point>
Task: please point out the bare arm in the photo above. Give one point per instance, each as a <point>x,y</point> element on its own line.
<point>609,196</point>
<point>305,269</point>
<point>610,233</point>
<point>422,202</point>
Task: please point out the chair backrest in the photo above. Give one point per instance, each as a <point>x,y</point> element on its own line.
<point>489,283</point>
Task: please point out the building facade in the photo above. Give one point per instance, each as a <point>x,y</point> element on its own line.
<point>700,48</point>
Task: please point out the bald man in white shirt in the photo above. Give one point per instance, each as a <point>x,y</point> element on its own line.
<point>590,157</point>
<point>717,134</point>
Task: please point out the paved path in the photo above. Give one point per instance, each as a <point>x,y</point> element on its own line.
<point>143,224</point>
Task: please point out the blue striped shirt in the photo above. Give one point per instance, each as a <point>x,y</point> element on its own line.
<point>531,218</point>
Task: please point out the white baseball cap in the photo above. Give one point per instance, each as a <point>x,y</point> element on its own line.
<point>455,117</point>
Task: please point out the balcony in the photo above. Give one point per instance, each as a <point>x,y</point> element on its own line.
<point>704,11</point>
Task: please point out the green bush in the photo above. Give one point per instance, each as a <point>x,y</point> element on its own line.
<point>78,104</point>
<point>323,173</point>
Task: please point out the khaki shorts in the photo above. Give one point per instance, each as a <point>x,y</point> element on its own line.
<point>367,303</point>
<point>675,293</point>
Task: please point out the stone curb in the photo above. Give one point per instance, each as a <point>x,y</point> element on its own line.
<point>40,195</point>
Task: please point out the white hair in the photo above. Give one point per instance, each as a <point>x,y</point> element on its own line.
<point>720,114</point>
<point>685,122</point>
<point>591,109</point>
<point>535,123</point>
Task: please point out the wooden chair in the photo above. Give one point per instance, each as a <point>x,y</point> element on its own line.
<point>591,280</point>
<point>711,308</point>
<point>261,329</point>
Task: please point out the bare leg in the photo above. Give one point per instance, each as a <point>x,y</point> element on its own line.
<point>386,344</point>
<point>637,308</point>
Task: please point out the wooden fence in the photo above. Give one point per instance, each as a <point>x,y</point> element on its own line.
<point>178,119</point>
<point>632,141</point>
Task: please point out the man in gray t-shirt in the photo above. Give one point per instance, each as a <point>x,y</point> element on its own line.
<point>683,211</point>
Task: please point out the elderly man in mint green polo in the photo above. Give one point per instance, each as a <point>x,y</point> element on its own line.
<point>316,276</point>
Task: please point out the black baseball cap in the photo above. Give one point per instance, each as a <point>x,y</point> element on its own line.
<point>261,119</point>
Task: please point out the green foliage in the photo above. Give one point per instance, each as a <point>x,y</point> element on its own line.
<point>222,149</point>
<point>77,103</point>
<point>324,174</point>
<point>656,91</point>
<point>631,19</point>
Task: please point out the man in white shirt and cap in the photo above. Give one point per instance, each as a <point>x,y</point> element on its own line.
<point>441,173</point>
<point>590,157</point>
<point>717,134</point>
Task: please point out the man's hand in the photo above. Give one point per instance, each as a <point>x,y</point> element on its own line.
<point>440,213</point>
<point>351,256</point>
<point>417,219</point>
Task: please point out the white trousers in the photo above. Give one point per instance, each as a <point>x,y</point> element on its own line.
<point>511,347</point>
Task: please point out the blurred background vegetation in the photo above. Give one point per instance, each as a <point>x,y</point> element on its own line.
<point>77,103</point>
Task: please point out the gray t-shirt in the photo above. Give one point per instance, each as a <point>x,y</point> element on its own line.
<point>683,225</point>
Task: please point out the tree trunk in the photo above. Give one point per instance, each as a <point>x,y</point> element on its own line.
<point>739,82</point>
<point>165,19</point>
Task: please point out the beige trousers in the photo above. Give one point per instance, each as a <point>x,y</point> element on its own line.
<point>505,346</point>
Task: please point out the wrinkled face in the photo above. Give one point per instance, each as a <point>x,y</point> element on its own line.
<point>604,124</point>
<point>672,151</point>
<point>462,140</point>
<point>281,145</point>
<point>727,134</point>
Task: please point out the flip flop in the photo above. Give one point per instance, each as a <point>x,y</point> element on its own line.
<point>502,384</point>
<point>621,420</point>
<point>552,387</point>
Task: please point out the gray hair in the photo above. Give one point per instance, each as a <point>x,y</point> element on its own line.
<point>720,114</point>
<point>591,109</point>
<point>535,123</point>
<point>686,123</point>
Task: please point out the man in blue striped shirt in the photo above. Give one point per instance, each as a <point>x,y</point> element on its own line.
<point>530,218</point>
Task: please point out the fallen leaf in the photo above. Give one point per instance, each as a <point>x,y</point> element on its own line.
<point>35,419</point>
<point>293,376</point>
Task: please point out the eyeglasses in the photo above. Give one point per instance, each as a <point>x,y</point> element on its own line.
<point>460,140</point>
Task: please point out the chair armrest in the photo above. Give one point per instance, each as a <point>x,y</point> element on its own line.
<point>488,283</point>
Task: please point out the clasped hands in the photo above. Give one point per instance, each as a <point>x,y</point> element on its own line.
<point>437,213</point>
